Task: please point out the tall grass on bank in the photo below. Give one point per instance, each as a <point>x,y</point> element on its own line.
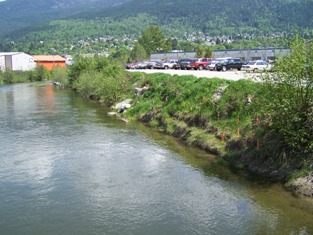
<point>234,119</point>
<point>267,123</point>
<point>199,107</point>
<point>38,74</point>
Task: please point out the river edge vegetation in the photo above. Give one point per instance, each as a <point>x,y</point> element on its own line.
<point>265,127</point>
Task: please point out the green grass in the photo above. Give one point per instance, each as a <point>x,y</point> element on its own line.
<point>187,104</point>
<point>212,114</point>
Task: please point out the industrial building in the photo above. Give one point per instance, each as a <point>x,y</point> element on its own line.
<point>16,61</point>
<point>268,54</point>
<point>50,62</point>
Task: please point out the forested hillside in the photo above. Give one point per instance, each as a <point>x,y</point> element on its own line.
<point>214,17</point>
<point>222,16</point>
<point>126,19</point>
<point>16,14</point>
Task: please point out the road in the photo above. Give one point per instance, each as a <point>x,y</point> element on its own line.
<point>229,75</point>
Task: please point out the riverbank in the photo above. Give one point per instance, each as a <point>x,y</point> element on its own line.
<point>285,170</point>
<point>264,127</point>
<point>217,116</point>
<point>223,117</point>
<point>67,166</point>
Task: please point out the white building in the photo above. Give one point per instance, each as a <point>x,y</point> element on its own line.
<point>16,61</point>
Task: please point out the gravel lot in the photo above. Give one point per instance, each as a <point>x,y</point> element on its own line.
<point>229,75</point>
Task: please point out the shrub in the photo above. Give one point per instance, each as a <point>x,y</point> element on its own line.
<point>289,94</point>
<point>85,64</point>
<point>8,76</point>
<point>40,74</point>
<point>85,84</point>
<point>99,79</point>
<point>60,75</point>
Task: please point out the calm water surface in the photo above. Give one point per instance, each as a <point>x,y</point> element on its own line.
<point>68,168</point>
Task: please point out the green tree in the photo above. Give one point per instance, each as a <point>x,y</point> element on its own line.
<point>208,52</point>
<point>86,64</point>
<point>138,53</point>
<point>186,45</point>
<point>290,92</point>
<point>200,50</point>
<point>121,54</point>
<point>168,45</point>
<point>152,40</point>
<point>203,51</point>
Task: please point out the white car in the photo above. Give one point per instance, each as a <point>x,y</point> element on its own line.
<point>257,65</point>
<point>211,65</point>
<point>166,64</point>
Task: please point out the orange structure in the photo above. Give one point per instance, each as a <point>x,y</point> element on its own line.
<point>50,61</point>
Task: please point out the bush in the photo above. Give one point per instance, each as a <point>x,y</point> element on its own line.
<point>99,79</point>
<point>22,76</point>
<point>289,94</point>
<point>8,76</point>
<point>60,75</point>
<point>40,74</point>
<point>85,64</point>
<point>86,83</point>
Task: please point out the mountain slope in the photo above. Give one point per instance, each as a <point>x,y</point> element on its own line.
<point>16,14</point>
<point>213,17</point>
<point>281,15</point>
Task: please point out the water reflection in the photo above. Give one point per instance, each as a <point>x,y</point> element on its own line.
<point>69,168</point>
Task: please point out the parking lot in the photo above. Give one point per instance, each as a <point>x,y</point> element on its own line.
<point>229,75</point>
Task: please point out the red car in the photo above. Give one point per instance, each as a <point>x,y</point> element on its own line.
<point>200,63</point>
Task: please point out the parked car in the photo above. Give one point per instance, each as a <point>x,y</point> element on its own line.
<point>166,64</point>
<point>142,65</point>
<point>200,63</point>
<point>212,64</point>
<point>230,63</point>
<point>256,65</point>
<point>152,64</point>
<point>183,64</point>
<point>131,65</point>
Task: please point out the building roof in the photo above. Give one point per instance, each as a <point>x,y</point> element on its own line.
<point>48,58</point>
<point>10,53</point>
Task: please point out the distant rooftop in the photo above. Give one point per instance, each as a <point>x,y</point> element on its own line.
<point>48,58</point>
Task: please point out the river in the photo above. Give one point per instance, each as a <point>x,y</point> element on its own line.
<point>69,168</point>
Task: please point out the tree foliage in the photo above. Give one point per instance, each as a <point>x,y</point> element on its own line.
<point>138,53</point>
<point>153,40</point>
<point>204,51</point>
<point>122,54</point>
<point>290,93</point>
<point>257,18</point>
<point>99,78</point>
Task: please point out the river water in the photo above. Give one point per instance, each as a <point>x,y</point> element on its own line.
<point>69,168</point>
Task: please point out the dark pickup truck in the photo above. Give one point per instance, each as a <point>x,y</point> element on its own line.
<point>227,64</point>
<point>183,64</point>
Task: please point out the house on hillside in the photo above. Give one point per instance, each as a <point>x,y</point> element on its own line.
<point>16,61</point>
<point>50,61</point>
